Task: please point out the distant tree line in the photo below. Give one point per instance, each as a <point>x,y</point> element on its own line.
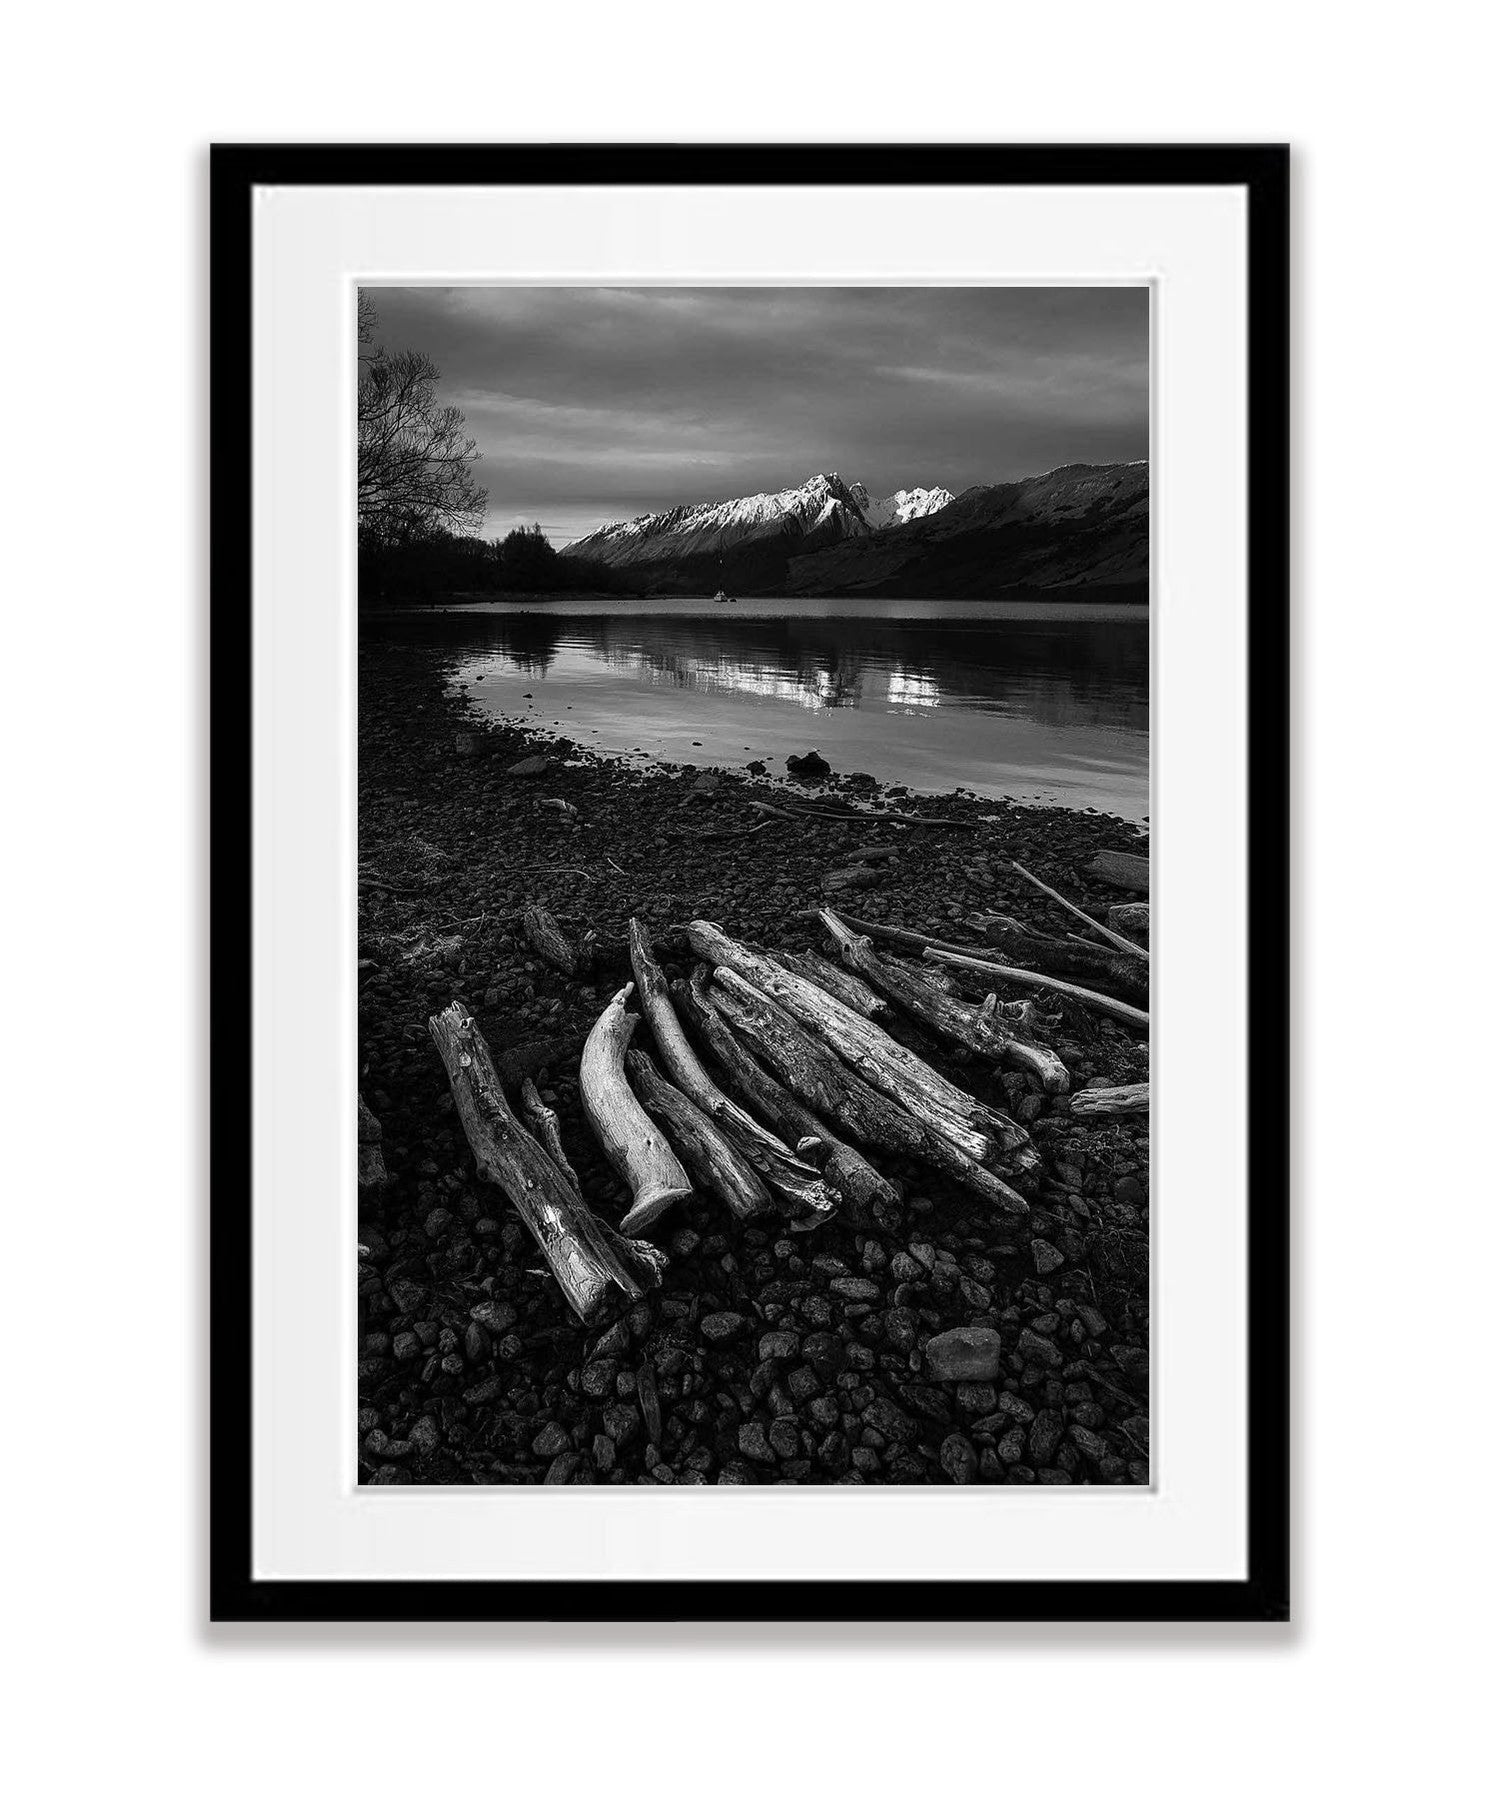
<point>438,564</point>
<point>420,508</point>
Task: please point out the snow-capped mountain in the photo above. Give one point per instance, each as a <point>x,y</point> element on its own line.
<point>905,504</point>
<point>821,511</point>
<point>1081,530</point>
<point>824,510</point>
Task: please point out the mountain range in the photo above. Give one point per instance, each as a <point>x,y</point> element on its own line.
<point>1077,532</point>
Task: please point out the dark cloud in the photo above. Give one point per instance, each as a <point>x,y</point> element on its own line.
<point>592,404</point>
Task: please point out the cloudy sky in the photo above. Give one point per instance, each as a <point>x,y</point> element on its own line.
<point>596,404</point>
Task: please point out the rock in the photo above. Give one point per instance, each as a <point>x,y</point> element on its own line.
<point>890,1421</point>
<point>597,1379</point>
<point>406,1345</point>
<point>406,1295</point>
<point>802,1384</point>
<point>704,787</point>
<point>603,1454</point>
<point>1011,1446</point>
<point>754,1443</point>
<point>530,766</point>
<point>1129,1192</point>
<point>622,1422</point>
<point>968,1353</point>
<point>854,1289</point>
<point>1089,1442</point>
<point>825,1354</point>
<point>425,1435</point>
<point>550,1440</point>
<point>1046,1435</point>
<point>719,1327</point>
<point>779,1346</point>
<point>810,766</point>
<point>959,1459</point>
<point>976,1397</point>
<point>495,1316</point>
<point>1038,1350</point>
<point>484,1392</point>
<point>785,1439</point>
<point>1047,1257</point>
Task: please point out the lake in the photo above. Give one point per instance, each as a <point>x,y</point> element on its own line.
<point>1045,703</point>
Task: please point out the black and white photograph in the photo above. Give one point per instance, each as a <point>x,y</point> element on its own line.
<point>754,868</point>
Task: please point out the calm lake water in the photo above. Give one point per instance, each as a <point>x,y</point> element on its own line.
<point>1043,703</point>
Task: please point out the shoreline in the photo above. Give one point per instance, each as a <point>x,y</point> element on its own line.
<point>453,847</point>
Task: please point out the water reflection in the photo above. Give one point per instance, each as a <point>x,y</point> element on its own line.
<point>1049,703</point>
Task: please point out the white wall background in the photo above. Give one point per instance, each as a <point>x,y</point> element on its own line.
<point>1378,1688</point>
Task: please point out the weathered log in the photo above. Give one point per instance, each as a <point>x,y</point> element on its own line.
<point>543,1122</point>
<point>371,1157</point>
<point>705,1149</point>
<point>1131,920</point>
<point>976,1130</point>
<point>855,994</point>
<point>829,1086</point>
<point>586,1256</point>
<point>641,1155</point>
<point>842,1167</point>
<point>1055,955</point>
<point>890,933</point>
<point>1024,977</point>
<point>1104,1101</point>
<point>978,1028</point>
<point>843,880</point>
<point>796,1181</point>
<point>545,936</point>
<point>1121,870</point>
<point>1130,949</point>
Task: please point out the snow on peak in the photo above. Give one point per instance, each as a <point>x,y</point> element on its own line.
<point>905,504</point>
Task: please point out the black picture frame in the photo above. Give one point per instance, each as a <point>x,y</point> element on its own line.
<point>1262,171</point>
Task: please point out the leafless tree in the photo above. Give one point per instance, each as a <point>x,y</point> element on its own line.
<point>415,457</point>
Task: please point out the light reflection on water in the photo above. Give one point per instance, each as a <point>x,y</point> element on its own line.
<point>1030,702</point>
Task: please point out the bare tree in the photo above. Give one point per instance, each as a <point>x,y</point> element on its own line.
<point>415,457</point>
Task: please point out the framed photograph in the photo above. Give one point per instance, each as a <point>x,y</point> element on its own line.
<point>749,883</point>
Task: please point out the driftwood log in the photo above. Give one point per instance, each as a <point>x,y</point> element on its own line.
<point>827,1084</point>
<point>844,880</point>
<point>1129,976</point>
<point>546,937</point>
<point>640,1154</point>
<point>587,1257</point>
<point>543,1122</point>
<point>797,1182</point>
<point>858,995</point>
<point>704,1148</point>
<point>842,1167</point>
<point>1121,943</point>
<point>1024,977</point>
<point>1095,1102</point>
<point>977,1028</point>
<point>977,1131</point>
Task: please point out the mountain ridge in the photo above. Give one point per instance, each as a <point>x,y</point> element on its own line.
<point>1075,529</point>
